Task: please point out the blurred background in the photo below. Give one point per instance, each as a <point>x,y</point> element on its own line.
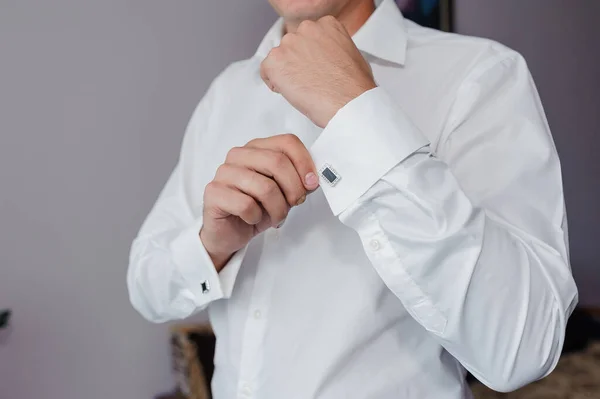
<point>94,100</point>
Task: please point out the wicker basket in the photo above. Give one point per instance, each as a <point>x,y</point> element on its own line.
<point>192,349</point>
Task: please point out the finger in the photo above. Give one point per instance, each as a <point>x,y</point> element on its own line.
<point>222,199</point>
<point>295,150</point>
<point>307,27</point>
<point>333,22</point>
<point>336,29</point>
<point>288,39</point>
<point>261,188</point>
<point>274,164</point>
<point>266,66</point>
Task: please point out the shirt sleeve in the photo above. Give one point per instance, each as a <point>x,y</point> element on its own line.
<point>170,274</point>
<point>470,236</point>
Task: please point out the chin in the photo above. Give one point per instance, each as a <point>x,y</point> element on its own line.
<point>299,10</point>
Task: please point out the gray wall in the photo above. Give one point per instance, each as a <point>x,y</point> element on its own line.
<point>94,99</point>
<point>561,41</point>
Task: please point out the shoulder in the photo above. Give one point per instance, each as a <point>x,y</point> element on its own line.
<point>233,82</point>
<point>238,74</point>
<point>232,90</point>
<point>465,57</point>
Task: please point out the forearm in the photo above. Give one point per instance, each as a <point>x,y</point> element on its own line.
<point>497,298</point>
<point>171,276</point>
<point>156,289</point>
<point>507,311</point>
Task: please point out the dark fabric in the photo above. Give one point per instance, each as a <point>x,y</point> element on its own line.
<point>205,348</point>
<point>582,329</point>
<point>4,317</point>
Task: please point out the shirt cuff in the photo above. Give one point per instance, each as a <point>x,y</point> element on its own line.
<point>363,141</point>
<point>198,270</point>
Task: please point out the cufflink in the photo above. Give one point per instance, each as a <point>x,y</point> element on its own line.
<point>330,175</point>
<point>205,287</point>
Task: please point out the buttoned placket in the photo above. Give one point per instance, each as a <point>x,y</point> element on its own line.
<point>251,357</point>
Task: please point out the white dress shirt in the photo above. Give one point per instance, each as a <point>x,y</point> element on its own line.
<point>442,247</point>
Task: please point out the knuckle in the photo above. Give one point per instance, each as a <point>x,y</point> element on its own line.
<point>306,25</point>
<point>210,189</point>
<point>274,55</point>
<point>264,65</point>
<point>283,214</point>
<point>328,19</point>
<point>263,68</point>
<point>247,206</point>
<point>269,188</point>
<point>290,139</point>
<point>220,171</point>
<point>279,160</point>
<point>233,153</point>
<point>287,39</point>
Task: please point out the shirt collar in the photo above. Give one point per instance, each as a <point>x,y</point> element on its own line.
<point>384,35</point>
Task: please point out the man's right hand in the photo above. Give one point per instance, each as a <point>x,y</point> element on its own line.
<point>253,190</point>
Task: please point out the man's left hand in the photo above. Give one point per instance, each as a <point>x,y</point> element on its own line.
<point>318,69</point>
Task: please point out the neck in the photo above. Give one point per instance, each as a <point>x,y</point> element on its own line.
<point>353,15</point>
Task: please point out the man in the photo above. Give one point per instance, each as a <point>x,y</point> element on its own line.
<point>368,208</point>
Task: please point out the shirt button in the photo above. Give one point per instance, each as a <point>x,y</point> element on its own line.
<point>257,314</point>
<point>375,245</point>
<point>274,234</point>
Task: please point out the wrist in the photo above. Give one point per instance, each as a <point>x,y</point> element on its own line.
<point>352,93</point>
<point>219,258</point>
<point>220,261</point>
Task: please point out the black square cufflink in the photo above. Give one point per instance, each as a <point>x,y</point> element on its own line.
<point>330,175</point>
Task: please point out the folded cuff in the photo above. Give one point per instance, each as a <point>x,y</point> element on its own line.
<point>198,270</point>
<point>362,142</point>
